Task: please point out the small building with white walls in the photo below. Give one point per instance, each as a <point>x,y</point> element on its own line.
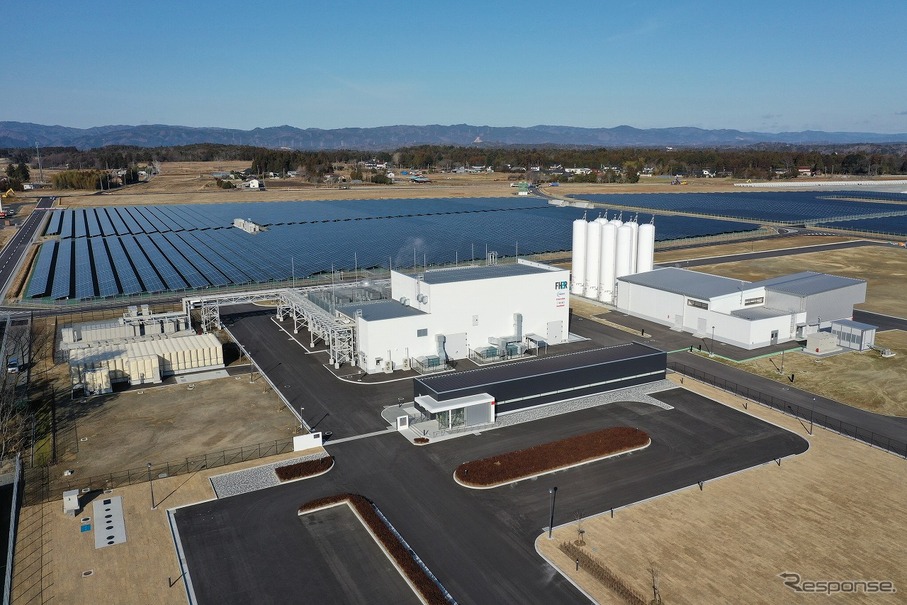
<point>485,311</point>
<point>740,313</point>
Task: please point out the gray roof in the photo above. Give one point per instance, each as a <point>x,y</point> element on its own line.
<point>380,309</point>
<point>456,381</point>
<point>688,283</point>
<point>469,273</point>
<point>807,283</point>
<point>856,325</point>
<point>754,313</point>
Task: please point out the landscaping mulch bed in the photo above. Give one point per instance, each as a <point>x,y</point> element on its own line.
<point>304,469</point>
<point>551,456</point>
<point>403,556</point>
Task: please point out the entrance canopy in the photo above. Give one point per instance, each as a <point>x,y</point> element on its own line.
<point>466,411</point>
<point>430,405</point>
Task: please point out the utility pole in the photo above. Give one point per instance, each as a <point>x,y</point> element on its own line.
<point>40,167</point>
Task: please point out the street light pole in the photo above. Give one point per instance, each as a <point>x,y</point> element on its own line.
<point>553,492</point>
<point>151,483</point>
<point>712,351</point>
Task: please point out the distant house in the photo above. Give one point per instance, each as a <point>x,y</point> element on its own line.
<point>253,184</point>
<point>804,171</point>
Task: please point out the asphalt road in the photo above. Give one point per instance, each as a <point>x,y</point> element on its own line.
<point>731,258</point>
<point>890,427</point>
<point>479,543</point>
<point>884,322</point>
<point>323,401</point>
<point>19,243</point>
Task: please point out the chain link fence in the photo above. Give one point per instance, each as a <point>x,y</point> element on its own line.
<point>809,415</point>
<point>41,487</point>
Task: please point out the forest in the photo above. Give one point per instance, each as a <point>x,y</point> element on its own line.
<point>761,162</point>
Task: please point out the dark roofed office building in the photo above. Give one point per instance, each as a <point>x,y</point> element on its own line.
<point>474,397</point>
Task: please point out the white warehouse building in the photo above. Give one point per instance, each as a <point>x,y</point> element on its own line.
<point>744,314</point>
<point>489,311</point>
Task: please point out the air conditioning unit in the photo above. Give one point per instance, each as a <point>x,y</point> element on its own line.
<point>388,366</point>
<point>406,363</point>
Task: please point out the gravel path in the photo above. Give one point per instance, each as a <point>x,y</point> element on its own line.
<point>252,479</point>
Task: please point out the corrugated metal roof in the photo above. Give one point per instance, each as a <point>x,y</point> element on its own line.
<point>470,273</point>
<point>807,283</point>
<point>380,309</point>
<point>535,367</point>
<point>688,283</point>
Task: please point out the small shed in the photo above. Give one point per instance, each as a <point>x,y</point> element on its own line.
<point>821,343</point>
<point>853,334</point>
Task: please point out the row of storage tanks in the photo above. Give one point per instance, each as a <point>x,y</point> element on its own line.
<point>604,250</point>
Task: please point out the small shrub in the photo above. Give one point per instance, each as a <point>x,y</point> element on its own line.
<point>304,469</point>
<point>550,456</point>
<point>420,440</point>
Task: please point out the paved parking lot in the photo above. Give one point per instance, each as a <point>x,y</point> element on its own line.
<point>478,543</point>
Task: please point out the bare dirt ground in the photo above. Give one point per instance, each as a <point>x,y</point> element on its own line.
<point>883,268</point>
<point>166,424</point>
<point>836,512</point>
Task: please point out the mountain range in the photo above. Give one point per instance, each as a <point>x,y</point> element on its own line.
<point>24,134</point>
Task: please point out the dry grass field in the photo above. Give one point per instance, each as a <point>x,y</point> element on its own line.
<point>759,245</point>
<point>843,377</point>
<point>883,268</point>
<point>836,512</point>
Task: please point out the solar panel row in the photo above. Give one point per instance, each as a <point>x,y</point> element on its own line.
<point>107,281</point>
<point>62,271</point>
<point>40,277</point>
<point>129,281</point>
<point>53,225</point>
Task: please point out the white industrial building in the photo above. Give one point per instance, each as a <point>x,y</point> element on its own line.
<point>744,314</point>
<point>485,312</point>
<point>604,250</point>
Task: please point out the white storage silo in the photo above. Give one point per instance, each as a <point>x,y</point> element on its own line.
<point>593,258</point>
<point>609,250</point>
<point>578,267</point>
<point>622,264</point>
<point>645,252</point>
<point>633,249</point>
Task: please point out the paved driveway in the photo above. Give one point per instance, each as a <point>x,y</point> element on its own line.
<point>479,543</point>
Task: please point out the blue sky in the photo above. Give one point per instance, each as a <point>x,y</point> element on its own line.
<point>765,66</point>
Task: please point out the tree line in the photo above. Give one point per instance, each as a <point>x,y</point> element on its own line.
<point>757,162</point>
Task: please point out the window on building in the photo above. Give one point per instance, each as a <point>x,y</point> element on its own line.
<point>754,301</point>
<point>422,332</point>
<point>698,304</point>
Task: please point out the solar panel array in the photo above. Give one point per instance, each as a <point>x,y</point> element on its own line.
<point>776,206</point>
<point>152,249</point>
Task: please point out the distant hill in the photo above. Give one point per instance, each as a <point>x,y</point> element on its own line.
<point>23,134</point>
